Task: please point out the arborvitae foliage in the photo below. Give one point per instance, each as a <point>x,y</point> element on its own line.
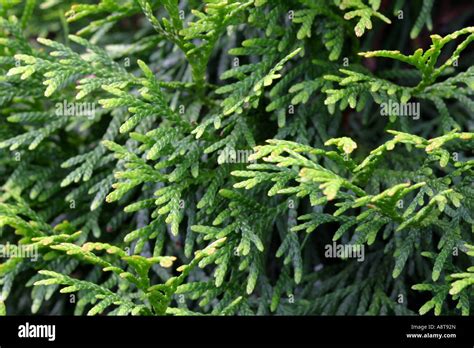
<point>187,157</point>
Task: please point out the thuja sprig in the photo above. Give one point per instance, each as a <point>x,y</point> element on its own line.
<point>168,201</point>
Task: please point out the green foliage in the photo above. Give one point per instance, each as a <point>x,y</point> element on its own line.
<point>203,158</point>
<point>423,18</point>
<point>359,9</point>
<point>356,87</point>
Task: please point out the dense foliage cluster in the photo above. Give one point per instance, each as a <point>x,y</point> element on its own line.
<point>201,157</point>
